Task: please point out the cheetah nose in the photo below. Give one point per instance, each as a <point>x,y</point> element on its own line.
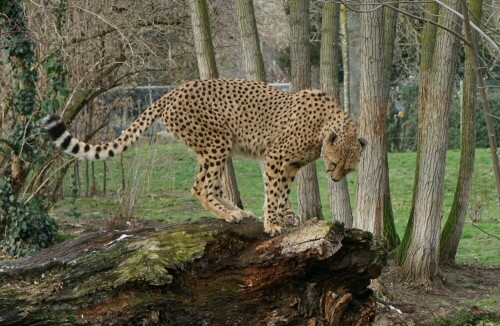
<point>335,180</point>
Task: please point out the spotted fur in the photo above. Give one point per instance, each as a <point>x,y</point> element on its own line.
<point>218,118</point>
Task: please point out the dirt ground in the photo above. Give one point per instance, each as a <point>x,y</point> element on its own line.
<point>461,289</point>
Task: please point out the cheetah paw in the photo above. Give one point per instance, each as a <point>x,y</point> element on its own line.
<point>235,217</point>
<point>273,229</point>
<point>248,214</point>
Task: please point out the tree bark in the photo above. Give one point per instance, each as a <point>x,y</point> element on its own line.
<point>452,231</point>
<point>354,39</point>
<point>345,59</point>
<point>252,54</point>
<point>373,106</point>
<point>427,50</point>
<point>338,194</point>
<point>390,22</point>
<point>308,198</point>
<point>207,272</point>
<point>421,264</point>
<point>208,69</point>
<point>202,37</point>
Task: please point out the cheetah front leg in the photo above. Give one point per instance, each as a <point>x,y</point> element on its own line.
<point>277,208</point>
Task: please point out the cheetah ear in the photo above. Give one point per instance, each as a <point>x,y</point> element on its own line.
<point>363,142</point>
<point>332,137</point>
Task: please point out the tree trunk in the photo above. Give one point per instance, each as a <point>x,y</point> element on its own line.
<point>308,199</point>
<point>421,264</point>
<point>203,273</point>
<point>338,194</point>
<point>250,42</point>
<point>203,39</point>
<point>390,22</point>
<point>208,69</point>
<point>345,59</point>
<point>452,231</point>
<point>254,63</point>
<point>369,211</point>
<point>427,50</point>
<point>354,39</point>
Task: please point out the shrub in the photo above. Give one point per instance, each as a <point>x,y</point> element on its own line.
<point>26,227</point>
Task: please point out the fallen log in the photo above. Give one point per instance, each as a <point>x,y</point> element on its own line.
<point>202,273</point>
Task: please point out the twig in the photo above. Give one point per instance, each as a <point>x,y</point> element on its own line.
<point>491,235</point>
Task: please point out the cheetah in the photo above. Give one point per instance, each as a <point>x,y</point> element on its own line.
<point>218,118</point>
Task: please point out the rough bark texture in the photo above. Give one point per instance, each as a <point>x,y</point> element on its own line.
<point>309,202</point>
<point>202,37</point>
<point>208,69</point>
<point>373,106</point>
<point>390,22</point>
<point>354,39</point>
<point>254,63</point>
<point>452,230</point>
<point>250,42</point>
<point>204,273</point>
<point>421,264</point>
<point>345,59</point>
<point>427,50</point>
<point>338,194</point>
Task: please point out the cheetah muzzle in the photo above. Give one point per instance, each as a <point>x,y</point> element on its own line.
<point>218,118</point>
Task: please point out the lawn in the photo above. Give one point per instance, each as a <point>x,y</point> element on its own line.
<point>165,173</point>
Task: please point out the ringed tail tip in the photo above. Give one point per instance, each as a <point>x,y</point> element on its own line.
<point>54,126</point>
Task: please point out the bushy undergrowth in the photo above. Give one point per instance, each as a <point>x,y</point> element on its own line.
<point>26,227</point>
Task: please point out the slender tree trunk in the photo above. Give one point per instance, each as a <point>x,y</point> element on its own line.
<point>421,264</point>
<point>208,69</point>
<point>252,54</point>
<point>370,187</point>
<point>203,39</point>
<point>250,42</point>
<point>484,100</point>
<point>345,59</point>
<point>338,196</point>
<point>354,37</point>
<point>427,50</point>
<point>309,203</point>
<point>390,22</point>
<point>452,231</point>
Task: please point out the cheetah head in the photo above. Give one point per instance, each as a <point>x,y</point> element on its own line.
<point>341,154</point>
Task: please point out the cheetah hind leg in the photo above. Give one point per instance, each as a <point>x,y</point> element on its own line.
<point>232,207</point>
<point>207,189</point>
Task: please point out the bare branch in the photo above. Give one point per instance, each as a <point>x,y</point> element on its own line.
<point>477,29</point>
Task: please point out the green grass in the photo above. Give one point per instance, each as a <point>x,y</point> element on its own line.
<point>166,196</point>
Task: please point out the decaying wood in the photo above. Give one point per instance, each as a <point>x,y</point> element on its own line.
<point>203,273</point>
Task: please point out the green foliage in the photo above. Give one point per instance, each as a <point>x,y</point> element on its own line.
<point>402,120</point>
<point>27,226</point>
<point>21,56</point>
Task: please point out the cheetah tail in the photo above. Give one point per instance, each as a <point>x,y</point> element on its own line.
<point>62,137</point>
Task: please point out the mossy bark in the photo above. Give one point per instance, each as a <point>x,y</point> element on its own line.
<point>452,231</point>
<point>208,272</point>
